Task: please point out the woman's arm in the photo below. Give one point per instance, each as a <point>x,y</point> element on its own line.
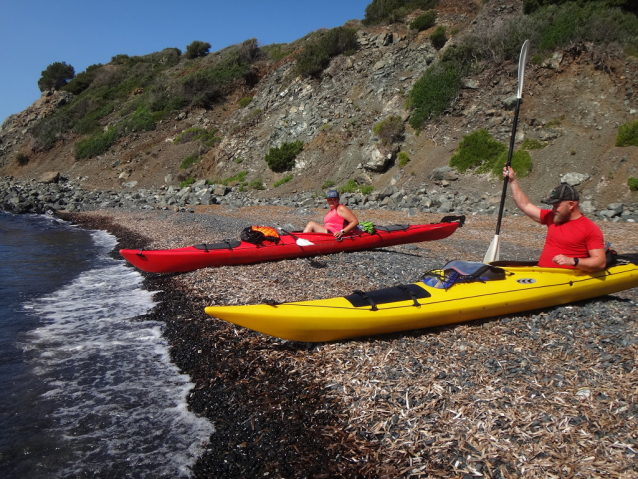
<point>349,216</point>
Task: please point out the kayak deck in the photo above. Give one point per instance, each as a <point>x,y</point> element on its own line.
<point>291,245</point>
<point>524,288</point>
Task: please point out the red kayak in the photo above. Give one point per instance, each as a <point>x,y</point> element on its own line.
<point>290,245</point>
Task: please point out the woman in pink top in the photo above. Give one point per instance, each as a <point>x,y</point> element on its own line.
<point>339,221</point>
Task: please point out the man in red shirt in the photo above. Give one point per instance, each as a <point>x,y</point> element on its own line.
<point>573,241</point>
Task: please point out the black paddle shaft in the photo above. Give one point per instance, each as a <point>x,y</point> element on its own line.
<point>508,164</point>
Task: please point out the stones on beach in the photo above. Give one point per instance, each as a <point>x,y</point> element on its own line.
<point>27,196</point>
<point>494,397</point>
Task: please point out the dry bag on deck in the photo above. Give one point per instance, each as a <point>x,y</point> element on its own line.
<point>258,234</point>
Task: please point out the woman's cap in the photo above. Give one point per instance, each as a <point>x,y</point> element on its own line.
<point>332,194</point>
<point>563,192</point>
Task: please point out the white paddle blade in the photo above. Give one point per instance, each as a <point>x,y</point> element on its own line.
<point>304,242</point>
<point>521,68</point>
<point>494,251</point>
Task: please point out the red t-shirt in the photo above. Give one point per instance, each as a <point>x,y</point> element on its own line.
<point>574,239</point>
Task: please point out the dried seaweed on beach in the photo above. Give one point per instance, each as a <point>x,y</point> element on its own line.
<point>547,393</point>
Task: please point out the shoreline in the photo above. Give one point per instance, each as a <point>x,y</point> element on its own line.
<point>501,397</point>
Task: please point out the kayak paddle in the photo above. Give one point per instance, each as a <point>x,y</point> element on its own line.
<point>493,251</point>
<point>299,241</point>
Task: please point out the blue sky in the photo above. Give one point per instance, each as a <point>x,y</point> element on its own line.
<point>36,33</point>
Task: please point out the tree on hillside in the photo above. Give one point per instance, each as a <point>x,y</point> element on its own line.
<point>56,76</point>
<point>197,49</point>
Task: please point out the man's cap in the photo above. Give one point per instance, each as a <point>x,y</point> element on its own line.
<point>332,194</point>
<point>563,192</point>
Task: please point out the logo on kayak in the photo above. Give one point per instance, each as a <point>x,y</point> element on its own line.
<point>526,281</point>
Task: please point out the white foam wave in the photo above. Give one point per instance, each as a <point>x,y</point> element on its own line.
<point>120,402</point>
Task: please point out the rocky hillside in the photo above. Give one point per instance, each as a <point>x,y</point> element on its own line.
<point>573,105</point>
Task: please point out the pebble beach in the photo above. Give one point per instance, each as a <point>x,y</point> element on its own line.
<point>546,393</point>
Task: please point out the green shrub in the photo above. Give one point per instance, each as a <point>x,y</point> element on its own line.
<point>283,158</point>
<point>553,27</point>
<point>425,21</point>
<point>234,180</point>
<point>55,76</point>
<point>475,149</point>
<point>187,135</point>
<point>433,93</point>
<point>164,99</point>
<point>284,180</point>
<point>120,59</point>
<point>197,49</point>
<point>530,6</point>
<point>257,184</point>
<point>555,122</point>
<point>83,80</point>
<point>350,187</point>
<point>438,37</point>
<point>96,144</point>
<point>403,159</point>
<point>199,89</point>
<point>90,121</point>
<point>532,144</point>
<point>22,159</point>
<point>207,138</point>
<point>142,120</point>
<point>316,56</point>
<point>189,161</point>
<point>327,184</point>
<point>627,134</point>
<point>595,22</point>
<point>390,11</point>
<point>277,51</point>
<point>632,183</point>
<point>389,130</point>
<point>244,102</point>
<point>203,87</point>
<point>187,182</point>
<point>521,162</point>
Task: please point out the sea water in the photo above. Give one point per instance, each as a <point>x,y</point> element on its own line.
<point>87,388</point>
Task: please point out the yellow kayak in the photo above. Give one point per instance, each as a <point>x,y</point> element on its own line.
<point>519,287</point>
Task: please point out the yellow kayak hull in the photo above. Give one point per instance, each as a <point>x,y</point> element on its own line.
<point>524,288</point>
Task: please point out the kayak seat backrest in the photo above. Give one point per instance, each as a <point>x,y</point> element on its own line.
<point>611,256</point>
<point>391,228</point>
<point>462,272</point>
<point>228,244</point>
<point>405,292</point>
<point>460,219</point>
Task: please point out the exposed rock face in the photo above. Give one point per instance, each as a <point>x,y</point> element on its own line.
<point>15,129</point>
